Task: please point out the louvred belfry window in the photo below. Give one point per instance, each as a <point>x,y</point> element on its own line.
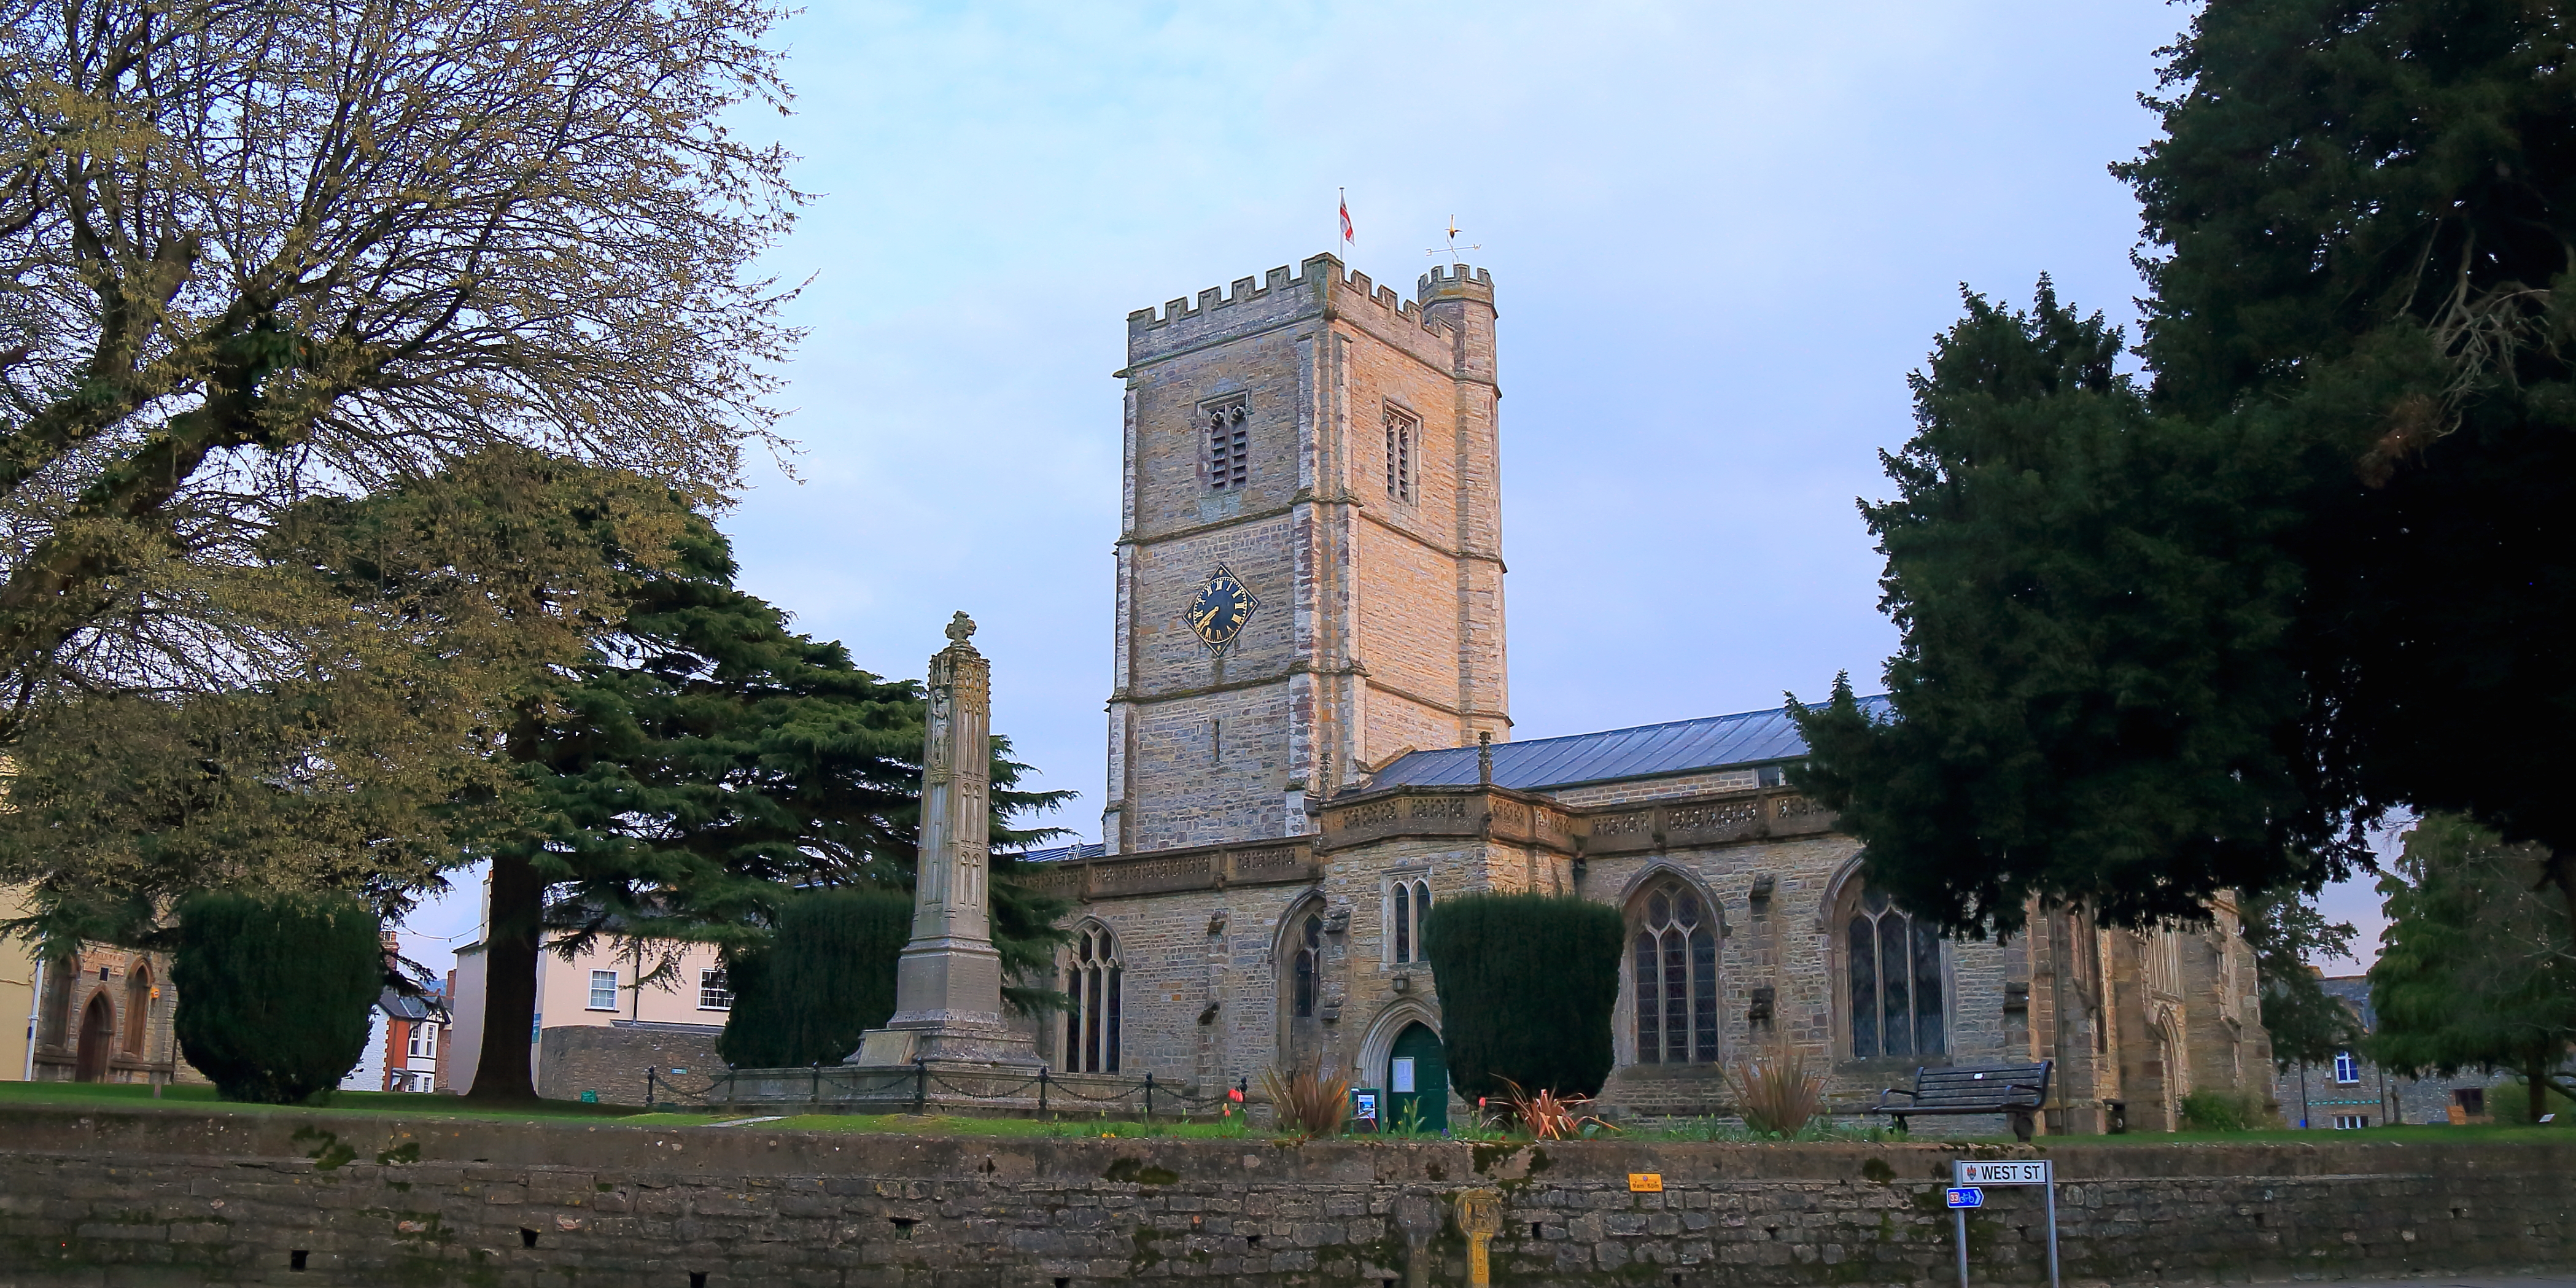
<point>1402,431</point>
<point>1673,964</point>
<point>1229,460</point>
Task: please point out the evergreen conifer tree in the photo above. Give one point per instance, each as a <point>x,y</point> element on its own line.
<point>2199,636</point>
<point>2475,969</point>
<point>1527,983</point>
<point>275,990</point>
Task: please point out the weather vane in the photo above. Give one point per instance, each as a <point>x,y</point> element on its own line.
<point>1453,248</point>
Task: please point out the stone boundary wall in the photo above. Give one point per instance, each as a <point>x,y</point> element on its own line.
<point>191,1197</point>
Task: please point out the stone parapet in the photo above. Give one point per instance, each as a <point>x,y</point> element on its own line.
<point>231,1198</point>
<point>1197,867</point>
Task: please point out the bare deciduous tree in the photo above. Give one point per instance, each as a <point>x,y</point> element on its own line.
<point>256,249</point>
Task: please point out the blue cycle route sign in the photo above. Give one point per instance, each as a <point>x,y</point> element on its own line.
<point>1967,1197</point>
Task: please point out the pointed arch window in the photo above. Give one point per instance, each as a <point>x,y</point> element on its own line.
<point>1412,908</point>
<point>1308,964</point>
<point>1896,998</point>
<point>1091,1021</point>
<point>138,1010</point>
<point>1673,964</point>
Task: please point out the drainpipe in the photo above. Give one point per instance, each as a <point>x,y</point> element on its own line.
<point>35,1007</point>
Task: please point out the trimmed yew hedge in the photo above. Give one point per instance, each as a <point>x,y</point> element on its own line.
<point>825,977</point>
<point>1527,984</point>
<point>275,990</point>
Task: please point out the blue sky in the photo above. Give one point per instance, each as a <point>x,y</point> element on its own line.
<point>1721,235</point>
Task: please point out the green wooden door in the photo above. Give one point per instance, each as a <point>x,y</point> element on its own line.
<point>1417,1063</point>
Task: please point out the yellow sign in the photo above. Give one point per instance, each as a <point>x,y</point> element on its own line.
<point>1645,1182</point>
<point>1480,1214</point>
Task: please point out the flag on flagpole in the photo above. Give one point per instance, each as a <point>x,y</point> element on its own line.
<point>1346,216</point>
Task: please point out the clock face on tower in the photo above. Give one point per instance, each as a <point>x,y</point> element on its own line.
<point>1220,609</point>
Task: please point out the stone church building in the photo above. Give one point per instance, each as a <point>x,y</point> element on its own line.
<point>1309,747</point>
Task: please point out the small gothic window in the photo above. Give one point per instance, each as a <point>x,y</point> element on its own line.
<point>1310,956</point>
<point>1412,907</point>
<point>1895,977</point>
<point>138,1009</point>
<point>1401,431</point>
<point>1229,461</point>
<point>1675,963</point>
<point>1091,1022</point>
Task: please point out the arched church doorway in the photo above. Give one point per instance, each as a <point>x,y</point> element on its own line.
<point>1417,1080</point>
<point>97,1037</point>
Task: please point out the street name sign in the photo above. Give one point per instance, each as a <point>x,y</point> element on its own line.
<point>2015,1172</point>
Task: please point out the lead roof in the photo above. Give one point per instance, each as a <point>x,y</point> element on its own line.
<point>1742,740</point>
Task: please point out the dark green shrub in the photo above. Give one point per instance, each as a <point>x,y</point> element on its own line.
<point>2224,1111</point>
<point>1527,983</point>
<point>275,990</point>
<point>826,977</point>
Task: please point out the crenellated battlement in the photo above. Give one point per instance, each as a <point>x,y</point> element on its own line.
<point>1219,305</point>
<point>1468,282</point>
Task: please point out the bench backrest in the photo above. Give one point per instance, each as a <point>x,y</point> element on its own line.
<point>1981,1084</point>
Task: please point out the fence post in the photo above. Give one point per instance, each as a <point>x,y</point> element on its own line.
<point>649,1071</point>
<point>1042,1086</point>
<point>816,1093</point>
<point>1149,1097</point>
<point>920,1084</point>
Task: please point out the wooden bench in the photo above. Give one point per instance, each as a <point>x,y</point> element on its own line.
<point>2016,1090</point>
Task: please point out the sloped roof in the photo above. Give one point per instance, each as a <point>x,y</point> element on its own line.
<point>1646,751</point>
<point>1064,853</point>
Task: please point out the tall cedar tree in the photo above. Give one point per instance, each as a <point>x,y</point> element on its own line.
<point>699,766</point>
<point>2322,569</point>
<point>262,248</point>
<point>1527,983</point>
<point>825,977</point>
<point>2476,969</point>
<point>275,990</point>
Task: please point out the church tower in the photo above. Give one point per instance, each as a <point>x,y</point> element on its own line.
<point>1310,573</point>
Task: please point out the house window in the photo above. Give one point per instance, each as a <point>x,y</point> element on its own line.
<point>715,993</point>
<point>2347,1068</point>
<point>1401,432</point>
<point>1895,982</point>
<point>2351,1122</point>
<point>1412,908</point>
<point>603,990</point>
<point>1229,461</point>
<point>1306,967</point>
<point>1674,959</point>
<point>1092,982</point>
<point>422,1042</point>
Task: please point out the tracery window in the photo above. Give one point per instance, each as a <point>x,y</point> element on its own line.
<point>1229,460</point>
<point>1401,431</point>
<point>1897,1002</point>
<point>138,1009</point>
<point>1412,908</point>
<point>1308,964</point>
<point>1674,967</point>
<point>1091,1022</point>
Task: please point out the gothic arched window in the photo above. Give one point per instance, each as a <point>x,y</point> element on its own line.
<point>1309,962</point>
<point>138,1010</point>
<point>1091,1022</point>
<point>1895,978</point>
<point>1674,965</point>
<point>1412,908</point>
